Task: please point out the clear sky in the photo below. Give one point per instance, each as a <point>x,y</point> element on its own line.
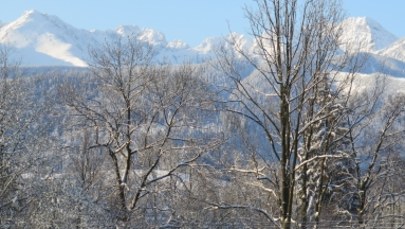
<point>188,20</point>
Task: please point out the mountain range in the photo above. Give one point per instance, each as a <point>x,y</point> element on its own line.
<point>44,40</point>
<point>40,39</point>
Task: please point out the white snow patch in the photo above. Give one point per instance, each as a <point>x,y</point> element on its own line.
<point>177,44</point>
<point>48,44</point>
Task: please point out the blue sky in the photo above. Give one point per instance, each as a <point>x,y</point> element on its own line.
<point>188,20</point>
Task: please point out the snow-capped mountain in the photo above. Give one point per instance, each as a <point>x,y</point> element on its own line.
<point>46,40</point>
<point>363,34</point>
<point>383,52</point>
<point>40,39</point>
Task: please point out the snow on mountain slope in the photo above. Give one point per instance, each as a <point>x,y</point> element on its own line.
<point>233,41</point>
<point>46,35</point>
<point>124,30</point>
<point>149,36</point>
<point>365,35</point>
<point>177,44</point>
<point>395,51</point>
<point>153,37</point>
<point>375,63</point>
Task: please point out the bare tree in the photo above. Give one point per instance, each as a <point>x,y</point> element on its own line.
<point>296,102</point>
<point>17,117</point>
<point>24,144</point>
<point>148,119</point>
<point>373,142</point>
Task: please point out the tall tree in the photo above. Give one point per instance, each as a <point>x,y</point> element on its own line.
<point>295,100</point>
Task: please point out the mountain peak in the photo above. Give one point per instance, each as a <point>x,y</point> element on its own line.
<point>40,36</point>
<point>35,20</point>
<point>31,13</point>
<point>36,16</point>
<point>364,34</point>
<point>42,39</point>
<point>125,30</point>
<point>361,20</point>
<point>152,37</point>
